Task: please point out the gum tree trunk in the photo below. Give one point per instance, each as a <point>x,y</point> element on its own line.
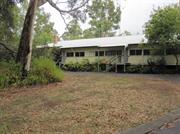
<point>25,46</point>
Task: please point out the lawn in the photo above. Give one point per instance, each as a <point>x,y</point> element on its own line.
<point>88,103</point>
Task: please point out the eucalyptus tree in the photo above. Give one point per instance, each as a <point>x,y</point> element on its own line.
<point>72,7</point>
<point>104,18</point>
<point>73,31</point>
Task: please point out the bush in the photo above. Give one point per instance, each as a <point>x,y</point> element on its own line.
<point>10,74</point>
<point>134,69</point>
<point>3,81</point>
<point>43,71</point>
<point>84,66</point>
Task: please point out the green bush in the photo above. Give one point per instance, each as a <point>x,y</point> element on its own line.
<point>84,66</point>
<point>43,71</point>
<point>3,81</point>
<point>10,74</point>
<point>134,69</point>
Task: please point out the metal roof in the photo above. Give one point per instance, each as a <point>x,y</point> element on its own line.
<point>101,42</point>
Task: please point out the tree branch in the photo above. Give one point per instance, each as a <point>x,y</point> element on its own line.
<point>66,11</point>
<point>13,53</point>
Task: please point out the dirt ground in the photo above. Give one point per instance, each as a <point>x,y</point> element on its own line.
<point>89,103</point>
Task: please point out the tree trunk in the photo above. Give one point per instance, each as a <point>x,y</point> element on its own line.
<point>25,46</point>
<point>177,62</point>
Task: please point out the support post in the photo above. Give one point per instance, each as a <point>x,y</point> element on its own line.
<point>125,55</point>
<point>98,62</point>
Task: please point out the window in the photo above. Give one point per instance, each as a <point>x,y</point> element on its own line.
<point>119,52</point>
<point>113,53</point>
<point>146,52</point>
<point>99,53</point>
<point>132,52</point>
<point>138,52</point>
<point>96,53</point>
<point>79,54</point>
<point>69,54</point>
<point>108,53</point>
<point>135,52</point>
<point>90,53</point>
<point>170,51</point>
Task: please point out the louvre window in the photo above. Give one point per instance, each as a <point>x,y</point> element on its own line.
<point>79,54</point>
<point>146,52</point>
<point>132,52</point>
<point>69,54</point>
<point>113,53</point>
<point>138,52</point>
<point>135,52</point>
<point>170,51</point>
<point>100,53</point>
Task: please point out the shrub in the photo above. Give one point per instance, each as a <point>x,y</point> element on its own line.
<point>10,74</point>
<point>84,66</point>
<point>43,71</point>
<point>3,81</point>
<point>134,69</point>
<point>156,65</point>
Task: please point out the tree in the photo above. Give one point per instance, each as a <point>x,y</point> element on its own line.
<point>43,29</point>
<point>163,30</point>
<point>11,20</point>
<point>9,37</point>
<point>73,31</point>
<point>25,46</point>
<point>104,18</point>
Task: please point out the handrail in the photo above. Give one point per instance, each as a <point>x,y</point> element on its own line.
<point>114,58</point>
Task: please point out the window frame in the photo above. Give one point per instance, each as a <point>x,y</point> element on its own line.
<point>146,52</point>
<point>67,54</point>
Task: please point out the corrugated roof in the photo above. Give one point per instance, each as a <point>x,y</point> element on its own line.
<point>101,42</point>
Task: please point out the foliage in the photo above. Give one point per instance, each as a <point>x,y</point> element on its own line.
<point>154,66</point>
<point>84,66</point>
<point>10,32</point>
<point>73,31</point>
<point>43,71</point>
<point>104,19</point>
<point>163,29</point>
<point>10,74</point>
<point>44,31</point>
<point>134,69</point>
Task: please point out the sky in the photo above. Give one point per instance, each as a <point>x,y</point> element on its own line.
<point>134,14</point>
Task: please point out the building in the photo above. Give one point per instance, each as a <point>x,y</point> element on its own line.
<point>119,51</point>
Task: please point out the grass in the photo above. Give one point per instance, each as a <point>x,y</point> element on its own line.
<point>87,103</point>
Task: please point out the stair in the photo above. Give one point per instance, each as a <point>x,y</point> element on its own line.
<point>112,63</point>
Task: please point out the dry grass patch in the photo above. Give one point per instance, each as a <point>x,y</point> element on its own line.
<point>87,103</point>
